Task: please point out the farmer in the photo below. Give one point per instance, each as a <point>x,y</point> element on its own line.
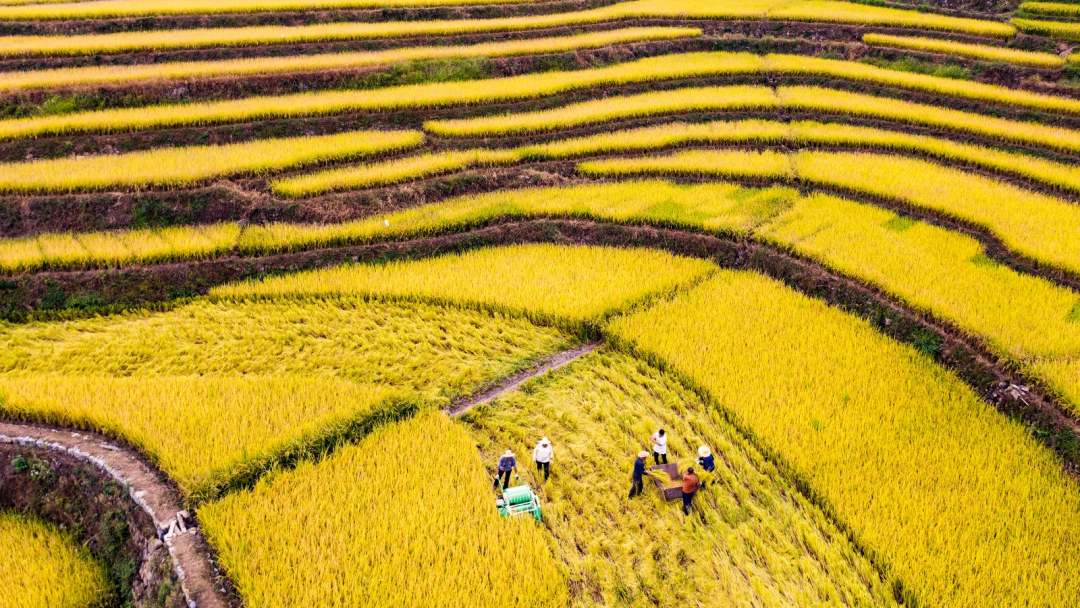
<point>507,464</point>
<point>659,446</point>
<point>690,485</point>
<point>542,455</point>
<point>636,485</point>
<point>707,463</point>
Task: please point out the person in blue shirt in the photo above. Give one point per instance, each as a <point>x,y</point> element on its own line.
<point>707,462</point>
<point>637,485</point>
<point>507,464</point>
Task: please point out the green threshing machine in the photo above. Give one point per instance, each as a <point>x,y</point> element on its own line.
<point>519,500</point>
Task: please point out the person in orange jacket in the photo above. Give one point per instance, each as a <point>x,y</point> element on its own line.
<point>690,485</point>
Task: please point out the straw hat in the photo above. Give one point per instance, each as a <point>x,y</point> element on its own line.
<point>703,451</point>
<point>643,454</point>
<point>508,453</point>
<point>544,442</point>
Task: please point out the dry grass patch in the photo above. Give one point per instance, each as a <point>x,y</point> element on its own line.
<point>186,165</point>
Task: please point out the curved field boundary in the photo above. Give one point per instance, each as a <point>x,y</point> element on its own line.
<point>1011,392</point>
<point>149,489</point>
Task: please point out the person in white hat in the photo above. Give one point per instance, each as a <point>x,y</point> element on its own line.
<point>637,485</point>
<point>542,454</point>
<point>507,464</point>
<point>707,462</point>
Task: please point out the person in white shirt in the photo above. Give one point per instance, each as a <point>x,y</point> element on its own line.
<point>659,446</point>
<point>542,455</point>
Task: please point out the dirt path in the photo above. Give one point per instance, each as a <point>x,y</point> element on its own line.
<point>155,495</point>
<point>512,383</point>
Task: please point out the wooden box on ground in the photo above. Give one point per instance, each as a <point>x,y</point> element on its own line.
<point>670,490</point>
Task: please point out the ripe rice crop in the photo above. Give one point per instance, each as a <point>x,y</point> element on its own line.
<point>216,392</point>
<point>930,267</point>
<point>98,9</point>
<point>545,281</point>
<point>953,87</point>
<point>451,352</point>
<point>97,75</point>
<point>118,247</point>
<point>202,431</point>
<point>841,102</point>
<point>1066,30</point>
<point>761,542</point>
<point>742,131</point>
<point>383,523</point>
<point>606,109</point>
<point>188,164</point>
<point>1037,225</point>
<point>535,85</point>
<point>933,268</point>
<point>387,172</point>
<point>43,567</point>
<point>983,52</point>
<point>777,10</point>
<point>656,103</point>
<point>960,502</point>
<point>796,133</point>
<point>1051,9</point>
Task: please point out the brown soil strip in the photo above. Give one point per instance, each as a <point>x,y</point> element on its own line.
<point>192,563</point>
<point>512,383</point>
<point>996,379</point>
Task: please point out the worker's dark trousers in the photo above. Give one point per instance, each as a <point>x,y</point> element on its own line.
<point>686,500</point>
<point>545,467</point>
<point>660,458</point>
<point>636,488</point>
<point>505,478</point>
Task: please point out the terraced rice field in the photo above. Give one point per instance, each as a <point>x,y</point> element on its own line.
<point>63,575</point>
<point>289,277</point>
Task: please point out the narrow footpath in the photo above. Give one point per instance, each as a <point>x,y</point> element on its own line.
<point>511,383</point>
